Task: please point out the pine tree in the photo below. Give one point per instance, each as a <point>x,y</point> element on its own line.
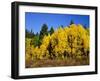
<point>62,26</point>
<point>72,22</point>
<point>29,34</point>
<point>51,30</point>
<point>44,31</point>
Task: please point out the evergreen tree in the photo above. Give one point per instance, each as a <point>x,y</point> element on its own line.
<point>26,33</point>
<point>72,22</point>
<point>29,34</point>
<point>43,31</point>
<point>36,41</point>
<point>37,34</point>
<point>31,31</point>
<point>62,26</point>
<point>51,30</point>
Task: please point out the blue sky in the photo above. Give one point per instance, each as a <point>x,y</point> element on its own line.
<point>34,21</point>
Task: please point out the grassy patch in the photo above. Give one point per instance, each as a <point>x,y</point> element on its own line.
<point>57,62</point>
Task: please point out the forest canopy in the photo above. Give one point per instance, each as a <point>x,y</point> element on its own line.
<point>65,43</point>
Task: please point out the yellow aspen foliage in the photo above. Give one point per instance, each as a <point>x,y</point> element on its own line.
<point>28,51</point>
<point>43,48</point>
<point>72,41</point>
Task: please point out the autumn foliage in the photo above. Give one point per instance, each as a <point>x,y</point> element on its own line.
<point>66,44</point>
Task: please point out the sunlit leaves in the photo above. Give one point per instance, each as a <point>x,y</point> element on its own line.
<point>65,42</point>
